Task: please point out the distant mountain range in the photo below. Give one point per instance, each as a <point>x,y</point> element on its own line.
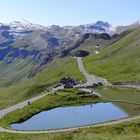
<point>20,39</point>
<point>38,45</point>
<point>18,29</point>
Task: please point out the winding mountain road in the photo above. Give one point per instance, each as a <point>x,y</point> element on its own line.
<point>90,80</point>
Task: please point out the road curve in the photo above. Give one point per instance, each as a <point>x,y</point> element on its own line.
<point>71,129</point>
<point>3,112</point>
<point>90,80</point>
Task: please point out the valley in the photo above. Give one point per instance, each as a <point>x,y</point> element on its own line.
<point>29,88</point>
<point>34,59</point>
<point>11,117</point>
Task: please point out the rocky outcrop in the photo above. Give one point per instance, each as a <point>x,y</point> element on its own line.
<point>81,53</point>
<point>41,64</point>
<point>65,53</point>
<point>10,54</point>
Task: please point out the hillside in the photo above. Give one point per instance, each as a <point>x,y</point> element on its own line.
<point>29,87</point>
<point>119,62</point>
<point>26,48</point>
<point>33,73</point>
<point>15,85</point>
<point>30,56</point>
<point>26,70</point>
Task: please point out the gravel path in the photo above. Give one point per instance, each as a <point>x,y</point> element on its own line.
<point>130,86</point>
<point>90,80</point>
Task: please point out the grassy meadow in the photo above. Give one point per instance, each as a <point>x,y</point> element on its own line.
<point>124,94</point>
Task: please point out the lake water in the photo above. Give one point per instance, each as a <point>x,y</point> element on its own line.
<point>64,117</point>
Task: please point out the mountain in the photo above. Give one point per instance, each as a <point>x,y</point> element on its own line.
<point>26,48</point>
<point>34,57</point>
<point>132,26</point>
<point>23,25</point>
<point>119,62</point>
<point>22,39</point>
<point>17,29</point>
<point>99,27</point>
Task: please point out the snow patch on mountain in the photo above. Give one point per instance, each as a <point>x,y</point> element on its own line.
<point>23,25</point>
<point>99,27</point>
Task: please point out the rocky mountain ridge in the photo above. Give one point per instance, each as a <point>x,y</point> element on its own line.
<point>22,40</point>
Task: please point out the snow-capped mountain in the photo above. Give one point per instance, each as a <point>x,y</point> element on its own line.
<point>42,37</point>
<point>99,27</point>
<point>18,29</point>
<point>23,25</point>
<point>21,39</point>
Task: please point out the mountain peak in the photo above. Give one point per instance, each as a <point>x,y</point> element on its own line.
<point>99,27</point>
<point>103,24</point>
<point>21,22</point>
<point>22,25</point>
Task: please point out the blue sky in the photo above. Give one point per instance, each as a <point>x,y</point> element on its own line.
<point>70,12</point>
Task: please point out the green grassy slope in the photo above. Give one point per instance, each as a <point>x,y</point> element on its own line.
<point>118,62</point>
<point>125,94</point>
<point>11,74</point>
<point>59,68</point>
<point>90,44</point>
<point>28,88</point>
<point>119,93</point>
